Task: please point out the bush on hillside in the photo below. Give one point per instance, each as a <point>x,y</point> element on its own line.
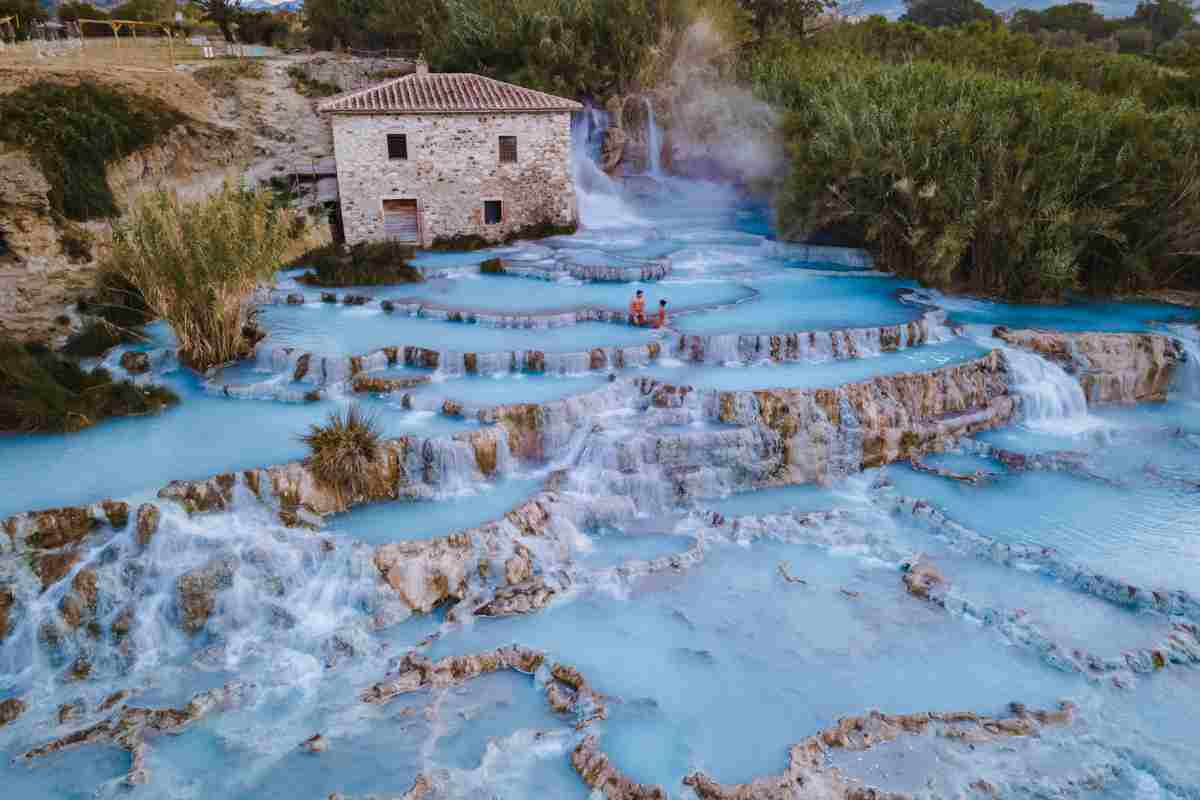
<point>41,391</point>
<point>198,264</point>
<point>962,180</point>
<point>366,264</point>
<point>73,132</point>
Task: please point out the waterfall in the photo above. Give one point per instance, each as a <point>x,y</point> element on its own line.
<point>1187,381</point>
<point>652,140</point>
<point>598,196</point>
<point>1050,398</point>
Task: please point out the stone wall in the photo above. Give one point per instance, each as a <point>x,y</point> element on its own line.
<point>453,166</point>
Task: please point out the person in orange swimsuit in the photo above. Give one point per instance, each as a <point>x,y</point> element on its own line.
<point>637,309</point>
<point>660,319</point>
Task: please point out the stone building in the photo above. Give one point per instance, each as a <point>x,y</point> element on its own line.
<point>433,156</point>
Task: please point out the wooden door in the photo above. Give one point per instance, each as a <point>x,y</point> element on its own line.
<point>400,220</point>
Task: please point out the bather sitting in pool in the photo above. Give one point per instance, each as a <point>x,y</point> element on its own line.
<point>637,309</point>
<point>660,319</point>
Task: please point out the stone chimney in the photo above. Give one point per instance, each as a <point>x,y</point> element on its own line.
<point>422,66</point>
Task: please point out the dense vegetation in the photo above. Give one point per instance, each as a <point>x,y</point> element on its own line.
<point>41,391</point>
<point>998,50</point>
<point>197,264</point>
<point>364,264</point>
<point>970,180</point>
<point>75,131</point>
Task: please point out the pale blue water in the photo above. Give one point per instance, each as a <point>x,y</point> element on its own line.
<point>809,302</point>
<point>719,666</point>
<point>201,436</point>
<point>809,375</point>
<point>338,330</point>
<point>381,523</point>
<point>1076,315</point>
<point>519,387</point>
<point>473,291</point>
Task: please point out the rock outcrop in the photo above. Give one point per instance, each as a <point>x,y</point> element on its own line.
<point>824,432</point>
<point>10,710</point>
<point>148,518</point>
<point>808,773</point>
<point>135,362</point>
<point>427,573</point>
<point>130,728</point>
<point>53,540</point>
<point>1111,367</point>
<point>196,591</point>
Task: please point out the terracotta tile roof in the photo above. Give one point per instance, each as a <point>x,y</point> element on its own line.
<point>444,93</point>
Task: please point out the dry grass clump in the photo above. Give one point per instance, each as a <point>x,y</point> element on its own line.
<point>221,79</point>
<point>343,449</point>
<point>198,264</point>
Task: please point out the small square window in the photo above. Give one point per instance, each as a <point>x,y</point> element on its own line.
<point>397,146</point>
<point>492,212</point>
<point>508,149</point>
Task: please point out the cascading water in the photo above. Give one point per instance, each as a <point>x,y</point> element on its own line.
<point>598,196</point>
<point>654,145</point>
<point>1051,399</point>
<point>1188,381</point>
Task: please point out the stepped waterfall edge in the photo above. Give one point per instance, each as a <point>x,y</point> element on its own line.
<point>721,546</point>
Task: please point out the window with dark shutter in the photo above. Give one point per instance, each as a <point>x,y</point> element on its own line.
<point>397,146</point>
<point>508,149</point>
<point>492,212</point>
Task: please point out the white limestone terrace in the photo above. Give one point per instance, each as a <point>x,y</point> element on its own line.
<point>666,648</point>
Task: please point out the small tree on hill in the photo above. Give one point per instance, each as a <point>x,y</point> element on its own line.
<point>222,13</point>
<point>947,13</point>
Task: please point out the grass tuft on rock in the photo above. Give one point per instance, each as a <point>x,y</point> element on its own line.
<point>75,131</point>
<point>366,264</point>
<point>343,449</point>
<point>42,391</point>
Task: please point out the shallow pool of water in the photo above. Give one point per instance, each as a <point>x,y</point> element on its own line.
<point>809,375</point>
<point>380,523</point>
<point>203,435</point>
<point>331,329</point>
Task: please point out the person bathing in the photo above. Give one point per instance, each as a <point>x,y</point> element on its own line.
<point>637,309</point>
<point>660,319</point>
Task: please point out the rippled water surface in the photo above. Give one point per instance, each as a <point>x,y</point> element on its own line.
<point>718,623</point>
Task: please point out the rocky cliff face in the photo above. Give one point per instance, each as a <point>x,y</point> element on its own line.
<point>1111,367</point>
<point>820,433</point>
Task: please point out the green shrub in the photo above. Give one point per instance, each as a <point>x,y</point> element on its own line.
<point>221,79</point>
<point>366,264</point>
<point>309,87</point>
<point>74,132</point>
<point>41,391</point>
<point>198,264</point>
<point>1011,187</point>
<point>341,450</point>
<point>466,242</point>
<point>95,339</point>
